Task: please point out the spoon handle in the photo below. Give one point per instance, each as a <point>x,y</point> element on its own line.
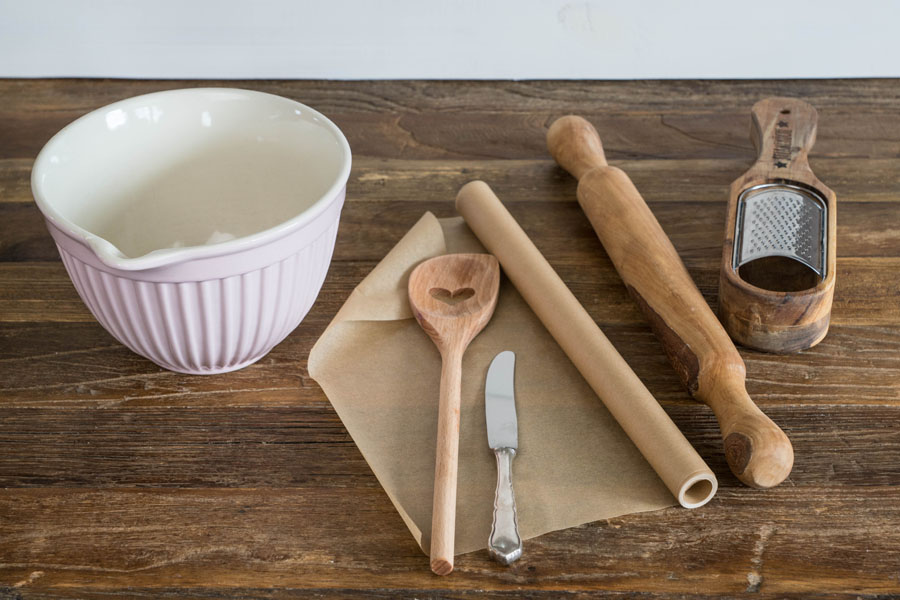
<point>443,520</point>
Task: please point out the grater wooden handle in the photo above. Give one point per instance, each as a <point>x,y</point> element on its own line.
<point>758,452</point>
<point>783,133</point>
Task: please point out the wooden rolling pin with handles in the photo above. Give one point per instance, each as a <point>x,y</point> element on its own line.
<point>758,452</point>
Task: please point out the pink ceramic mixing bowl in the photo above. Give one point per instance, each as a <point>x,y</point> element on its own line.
<point>197,225</point>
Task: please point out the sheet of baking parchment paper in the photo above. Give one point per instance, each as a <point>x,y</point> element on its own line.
<point>382,375</point>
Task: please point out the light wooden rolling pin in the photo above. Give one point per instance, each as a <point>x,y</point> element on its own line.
<point>758,452</point>
<point>673,458</point>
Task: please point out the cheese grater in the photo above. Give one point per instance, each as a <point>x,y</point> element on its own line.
<point>777,277</point>
<point>779,219</point>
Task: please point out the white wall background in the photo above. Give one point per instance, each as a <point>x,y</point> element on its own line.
<point>452,39</point>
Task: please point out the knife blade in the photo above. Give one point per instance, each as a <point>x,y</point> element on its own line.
<point>504,544</point>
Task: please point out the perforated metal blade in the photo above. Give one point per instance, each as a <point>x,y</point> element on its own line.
<point>779,219</point>
<point>500,402</point>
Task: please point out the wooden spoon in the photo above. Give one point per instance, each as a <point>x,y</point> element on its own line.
<point>452,298</point>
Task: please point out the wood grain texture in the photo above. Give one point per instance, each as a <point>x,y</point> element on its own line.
<point>708,364</point>
<point>452,297</point>
<point>121,480</point>
<point>772,303</point>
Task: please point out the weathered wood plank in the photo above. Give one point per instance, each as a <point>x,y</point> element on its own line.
<point>666,180</point>
<point>183,447</point>
<point>42,292</point>
<point>15,180</point>
<point>31,95</point>
<point>394,593</point>
<point>79,364</point>
<point>553,217</point>
<point>216,540</point>
<point>482,120</point>
<point>503,134</point>
<point>304,443</point>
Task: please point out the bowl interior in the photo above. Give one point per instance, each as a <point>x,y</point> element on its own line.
<point>189,168</point>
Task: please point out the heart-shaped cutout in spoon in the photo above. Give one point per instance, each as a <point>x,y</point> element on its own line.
<point>451,298</point>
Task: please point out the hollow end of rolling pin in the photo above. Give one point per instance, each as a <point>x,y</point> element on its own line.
<point>698,490</point>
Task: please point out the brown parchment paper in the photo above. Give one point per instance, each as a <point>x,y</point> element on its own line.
<point>382,375</point>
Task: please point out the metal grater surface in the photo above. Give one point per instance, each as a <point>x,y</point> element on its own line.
<point>777,219</point>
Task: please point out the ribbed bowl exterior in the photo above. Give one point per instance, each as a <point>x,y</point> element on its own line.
<point>215,325</point>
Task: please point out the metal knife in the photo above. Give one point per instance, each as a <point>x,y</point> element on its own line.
<point>505,545</point>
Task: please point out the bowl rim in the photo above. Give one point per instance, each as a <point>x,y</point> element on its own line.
<point>110,255</point>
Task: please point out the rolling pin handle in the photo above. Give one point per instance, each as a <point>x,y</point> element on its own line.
<point>575,145</point>
<point>757,450</point>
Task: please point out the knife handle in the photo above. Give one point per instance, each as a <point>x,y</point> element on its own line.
<point>505,545</point>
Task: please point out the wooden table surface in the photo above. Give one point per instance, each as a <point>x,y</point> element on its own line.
<point>120,479</point>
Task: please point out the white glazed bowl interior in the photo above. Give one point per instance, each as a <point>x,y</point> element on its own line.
<point>144,178</point>
<point>197,225</point>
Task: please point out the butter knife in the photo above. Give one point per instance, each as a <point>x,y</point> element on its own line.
<point>504,545</point>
